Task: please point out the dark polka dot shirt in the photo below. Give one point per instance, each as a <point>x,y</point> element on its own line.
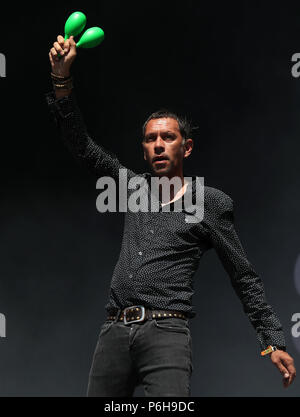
<point>160,251</point>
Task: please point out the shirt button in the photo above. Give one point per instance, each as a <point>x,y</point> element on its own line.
<point>140,253</point>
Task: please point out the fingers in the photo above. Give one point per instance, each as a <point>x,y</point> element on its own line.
<point>60,40</point>
<point>286,376</point>
<point>285,363</point>
<point>291,370</point>
<point>59,49</point>
<point>67,46</point>
<point>63,48</point>
<point>51,59</point>
<point>54,54</point>
<point>64,44</point>
<point>287,370</point>
<point>72,44</point>
<point>282,369</point>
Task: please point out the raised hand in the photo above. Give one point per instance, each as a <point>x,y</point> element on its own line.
<point>67,50</point>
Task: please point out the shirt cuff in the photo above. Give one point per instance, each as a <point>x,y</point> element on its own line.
<point>63,106</point>
<point>272,338</point>
<point>281,348</point>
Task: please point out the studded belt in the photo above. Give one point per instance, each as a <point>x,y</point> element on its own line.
<point>136,314</point>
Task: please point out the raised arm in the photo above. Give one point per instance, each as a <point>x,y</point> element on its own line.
<point>65,110</point>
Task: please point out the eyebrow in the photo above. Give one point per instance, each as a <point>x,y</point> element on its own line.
<point>166,132</point>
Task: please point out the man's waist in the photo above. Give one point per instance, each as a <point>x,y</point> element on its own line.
<point>139,313</point>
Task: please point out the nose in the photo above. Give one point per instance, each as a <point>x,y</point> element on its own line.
<point>159,145</point>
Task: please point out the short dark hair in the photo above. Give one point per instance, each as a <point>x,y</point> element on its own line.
<point>185,126</point>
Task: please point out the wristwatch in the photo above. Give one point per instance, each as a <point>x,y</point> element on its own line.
<point>271,349</point>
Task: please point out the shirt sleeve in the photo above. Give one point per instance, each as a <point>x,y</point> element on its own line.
<point>68,118</point>
<point>244,279</point>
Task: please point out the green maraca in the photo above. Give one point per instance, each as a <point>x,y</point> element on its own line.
<point>75,24</point>
<point>91,38</point>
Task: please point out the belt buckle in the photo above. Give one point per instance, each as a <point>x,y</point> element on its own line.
<point>134,321</point>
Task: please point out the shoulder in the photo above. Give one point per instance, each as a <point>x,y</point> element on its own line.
<point>217,199</point>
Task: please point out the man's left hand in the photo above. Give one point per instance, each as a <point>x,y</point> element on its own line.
<point>285,364</point>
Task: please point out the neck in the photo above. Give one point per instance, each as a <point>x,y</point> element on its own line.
<point>175,191</point>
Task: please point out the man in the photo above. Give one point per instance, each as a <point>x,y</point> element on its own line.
<point>146,338</point>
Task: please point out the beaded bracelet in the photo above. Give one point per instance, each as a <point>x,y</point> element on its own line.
<point>62,83</point>
<point>64,86</point>
<point>59,77</point>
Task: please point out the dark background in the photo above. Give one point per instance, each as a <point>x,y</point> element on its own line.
<point>226,65</point>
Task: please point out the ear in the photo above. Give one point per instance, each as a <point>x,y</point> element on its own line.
<point>144,151</point>
<point>188,147</point>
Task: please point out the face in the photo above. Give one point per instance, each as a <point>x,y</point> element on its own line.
<point>163,147</point>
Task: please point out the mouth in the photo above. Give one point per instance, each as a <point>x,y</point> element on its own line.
<point>160,164</point>
<point>160,160</point>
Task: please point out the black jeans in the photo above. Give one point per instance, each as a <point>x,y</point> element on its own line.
<point>156,353</point>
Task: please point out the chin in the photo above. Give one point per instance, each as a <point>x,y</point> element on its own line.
<point>163,172</point>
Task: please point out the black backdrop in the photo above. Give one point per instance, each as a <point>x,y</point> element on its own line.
<point>227,65</point>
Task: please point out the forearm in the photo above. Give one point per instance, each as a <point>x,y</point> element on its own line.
<point>63,106</point>
<point>62,93</point>
<point>250,290</point>
<point>245,281</point>
<point>69,120</point>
